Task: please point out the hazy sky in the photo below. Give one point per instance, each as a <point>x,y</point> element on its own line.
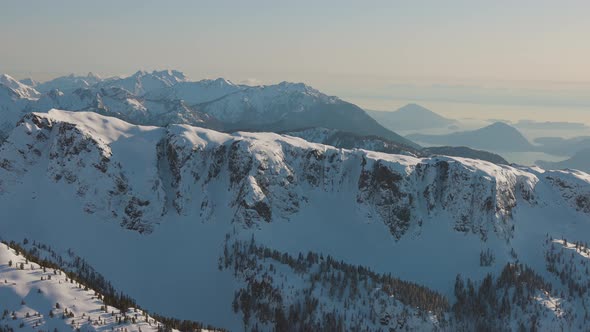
<point>528,51</point>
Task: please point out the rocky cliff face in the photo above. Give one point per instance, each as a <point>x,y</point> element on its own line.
<point>65,153</point>
<point>135,175</point>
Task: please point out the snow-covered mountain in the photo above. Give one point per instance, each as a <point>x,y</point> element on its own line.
<point>23,91</point>
<point>213,225</point>
<point>81,151</point>
<point>165,97</point>
<point>194,93</point>
<point>68,83</point>
<point>118,102</point>
<point>293,106</point>
<point>143,82</point>
<point>13,105</point>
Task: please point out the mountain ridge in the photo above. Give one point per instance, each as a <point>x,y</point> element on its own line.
<point>497,136</point>
<point>580,160</point>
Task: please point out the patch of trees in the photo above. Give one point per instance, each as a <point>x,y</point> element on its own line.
<point>264,297</point>
<point>489,304</point>
<point>569,262</point>
<point>6,328</point>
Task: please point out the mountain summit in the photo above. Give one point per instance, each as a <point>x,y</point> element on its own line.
<point>411,117</point>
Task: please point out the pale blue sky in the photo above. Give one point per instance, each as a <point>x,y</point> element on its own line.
<point>359,49</point>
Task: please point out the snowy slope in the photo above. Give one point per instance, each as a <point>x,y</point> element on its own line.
<point>23,90</point>
<point>12,107</point>
<point>171,196</point>
<point>15,98</point>
<point>34,297</point>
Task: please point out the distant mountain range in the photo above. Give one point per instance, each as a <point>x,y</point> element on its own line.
<point>498,136</point>
<point>168,97</point>
<point>580,161</point>
<point>465,152</point>
<point>563,146</point>
<point>374,143</point>
<point>165,97</point>
<point>411,117</point>
<point>550,125</point>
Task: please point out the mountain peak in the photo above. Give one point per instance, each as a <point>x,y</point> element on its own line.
<point>23,90</point>
<point>94,76</point>
<point>29,81</point>
<point>8,80</point>
<point>297,87</point>
<point>170,75</point>
<point>140,73</point>
<point>501,126</point>
<point>219,82</point>
<point>410,117</point>
<point>223,81</point>
<point>413,107</point>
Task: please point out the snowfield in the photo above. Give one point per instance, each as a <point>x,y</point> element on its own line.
<point>36,298</point>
